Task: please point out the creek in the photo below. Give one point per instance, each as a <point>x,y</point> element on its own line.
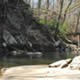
<point>43,60</point>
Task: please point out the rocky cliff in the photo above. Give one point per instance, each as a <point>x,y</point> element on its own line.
<point>19,30</point>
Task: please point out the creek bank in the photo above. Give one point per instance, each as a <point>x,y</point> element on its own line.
<point>41,72</point>
<point>71,64</point>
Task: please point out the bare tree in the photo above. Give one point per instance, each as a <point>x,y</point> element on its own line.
<point>39,6</point>
<point>47,4</point>
<point>76,30</point>
<point>59,17</point>
<point>53,4</point>
<point>66,11</point>
<point>29,1</point>
<point>32,4</point>
<point>78,18</point>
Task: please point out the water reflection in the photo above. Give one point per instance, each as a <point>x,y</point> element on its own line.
<point>45,59</point>
<point>21,61</point>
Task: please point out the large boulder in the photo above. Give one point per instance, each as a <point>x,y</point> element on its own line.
<point>22,31</point>
<point>75,64</point>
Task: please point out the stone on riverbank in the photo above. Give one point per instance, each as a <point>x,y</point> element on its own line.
<point>75,64</point>
<point>61,63</point>
<point>72,64</point>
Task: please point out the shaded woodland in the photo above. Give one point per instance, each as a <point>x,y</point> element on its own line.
<point>61,15</point>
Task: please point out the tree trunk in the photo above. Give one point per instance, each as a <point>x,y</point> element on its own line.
<point>66,11</point>
<point>53,4</point>
<point>78,41</point>
<point>47,8</point>
<point>59,17</point>
<point>32,4</point>
<point>39,6</point>
<point>47,5</point>
<point>78,18</point>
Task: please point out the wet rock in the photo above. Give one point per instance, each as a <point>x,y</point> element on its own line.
<point>70,64</point>
<point>75,64</point>
<point>60,64</point>
<point>8,38</point>
<point>76,60</point>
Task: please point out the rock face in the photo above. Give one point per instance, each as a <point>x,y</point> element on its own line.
<point>21,31</point>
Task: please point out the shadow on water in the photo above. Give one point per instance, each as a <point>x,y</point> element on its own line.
<point>11,62</point>
<point>45,59</point>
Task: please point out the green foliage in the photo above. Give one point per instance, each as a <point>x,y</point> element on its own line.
<point>43,21</point>
<point>51,24</point>
<point>63,28</point>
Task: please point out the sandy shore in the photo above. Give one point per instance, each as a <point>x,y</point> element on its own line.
<point>40,72</point>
